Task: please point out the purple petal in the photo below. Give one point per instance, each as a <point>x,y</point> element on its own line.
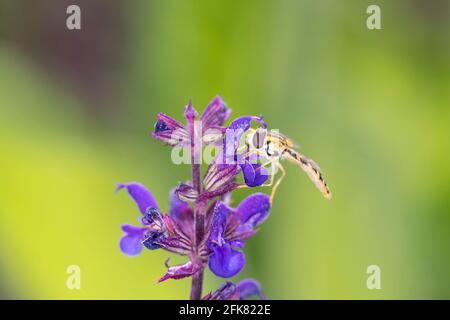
<point>254,174</point>
<point>244,122</point>
<point>175,245</point>
<point>178,209</point>
<point>248,288</point>
<point>140,194</point>
<point>254,209</point>
<point>181,214</point>
<point>208,195</point>
<point>130,243</point>
<point>233,136</point>
<point>180,271</point>
<point>248,172</point>
<point>213,135</point>
<point>242,232</point>
<point>186,192</point>
<point>226,262</point>
<point>165,122</point>
<point>215,114</point>
<point>170,131</point>
<point>261,175</point>
<point>237,243</point>
<point>219,175</point>
<point>218,224</point>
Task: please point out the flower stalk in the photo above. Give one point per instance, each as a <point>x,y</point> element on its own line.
<point>197,278</point>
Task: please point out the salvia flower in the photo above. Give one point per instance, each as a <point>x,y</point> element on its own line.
<point>172,232</point>
<point>200,223</point>
<point>229,228</point>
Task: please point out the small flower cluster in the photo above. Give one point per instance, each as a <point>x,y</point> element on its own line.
<point>200,223</point>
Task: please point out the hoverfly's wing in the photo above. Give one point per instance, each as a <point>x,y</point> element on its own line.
<point>313,171</point>
<point>292,143</point>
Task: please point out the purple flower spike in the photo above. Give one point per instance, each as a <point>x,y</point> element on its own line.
<point>140,194</point>
<point>215,114</point>
<point>130,244</point>
<point>226,262</point>
<point>248,288</point>
<point>200,223</point>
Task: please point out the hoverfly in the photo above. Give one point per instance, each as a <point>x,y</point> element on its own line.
<point>273,146</point>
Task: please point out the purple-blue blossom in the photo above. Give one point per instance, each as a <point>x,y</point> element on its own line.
<point>229,228</point>
<point>200,224</point>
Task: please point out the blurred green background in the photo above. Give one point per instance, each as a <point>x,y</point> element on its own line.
<point>371,106</point>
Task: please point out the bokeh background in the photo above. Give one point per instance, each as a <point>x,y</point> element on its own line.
<point>372,107</point>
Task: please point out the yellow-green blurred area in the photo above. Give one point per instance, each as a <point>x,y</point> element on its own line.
<point>371,107</point>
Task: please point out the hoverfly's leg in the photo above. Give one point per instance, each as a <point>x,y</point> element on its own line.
<point>270,183</point>
<point>242,148</point>
<point>274,188</point>
<point>272,172</point>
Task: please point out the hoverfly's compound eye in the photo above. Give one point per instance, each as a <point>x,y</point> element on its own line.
<point>259,138</point>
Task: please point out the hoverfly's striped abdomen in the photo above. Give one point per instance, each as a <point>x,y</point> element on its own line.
<point>312,170</point>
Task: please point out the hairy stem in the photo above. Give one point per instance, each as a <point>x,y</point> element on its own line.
<point>197,278</point>
<point>196,176</point>
<point>197,285</point>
